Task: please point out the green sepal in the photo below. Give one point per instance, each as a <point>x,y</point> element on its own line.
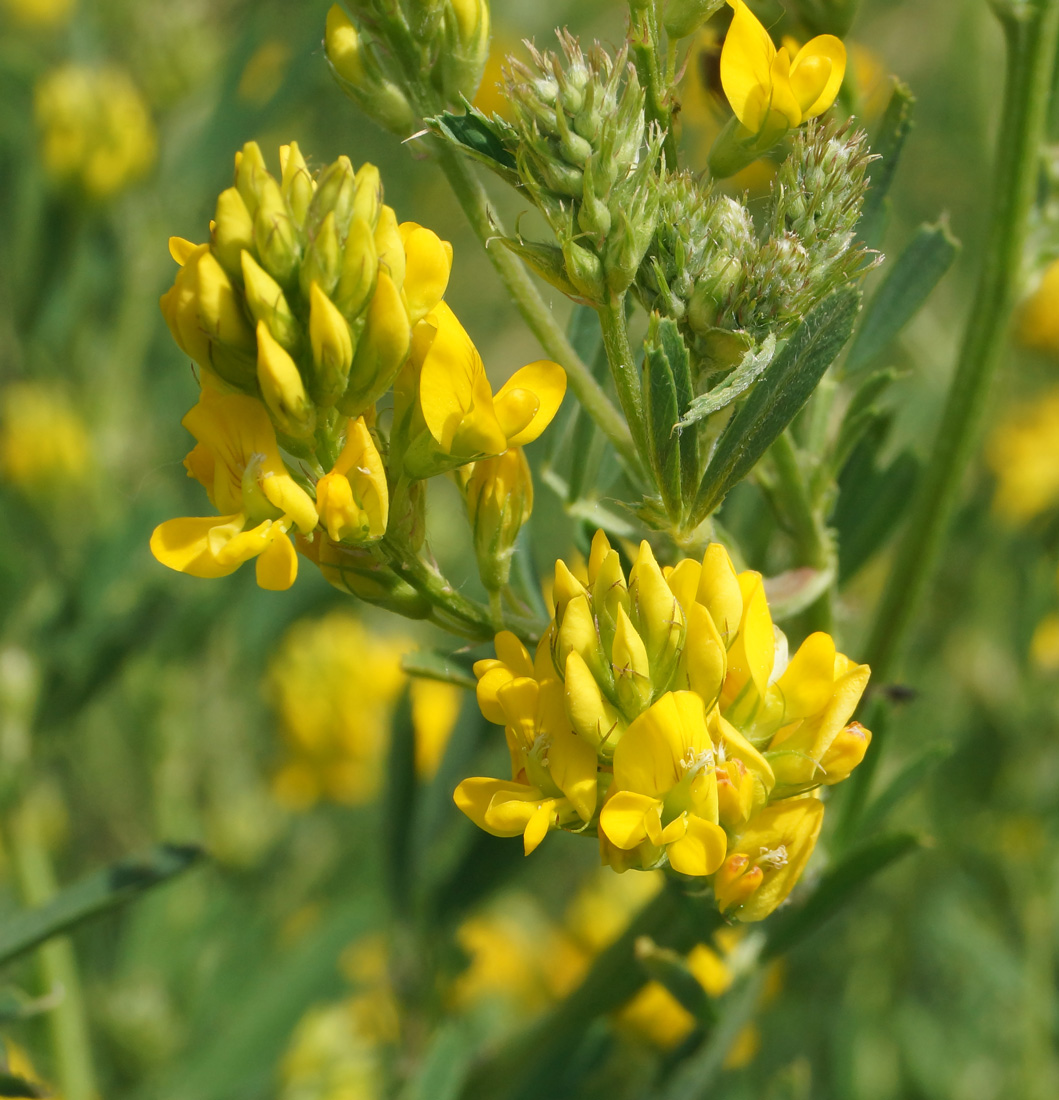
<point>546,260</point>
<point>910,280</point>
<point>778,396</point>
<point>486,140</point>
<point>448,668</point>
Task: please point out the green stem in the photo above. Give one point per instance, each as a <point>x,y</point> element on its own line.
<point>67,1022</point>
<point>623,370</point>
<point>808,528</point>
<point>465,617</point>
<point>1030,35</point>
<point>535,311</point>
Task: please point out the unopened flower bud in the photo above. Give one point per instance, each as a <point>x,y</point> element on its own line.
<point>360,267</point>
<point>268,304</point>
<point>282,387</point>
<point>297,182</point>
<point>499,499</point>
<point>332,347</point>
<point>465,49</point>
<point>233,231</point>
<point>251,173</point>
<point>381,349</point>
<point>275,235</point>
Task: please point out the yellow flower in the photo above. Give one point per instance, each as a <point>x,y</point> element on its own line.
<point>95,130</point>
<point>352,499</point>
<point>1023,452</point>
<point>239,464</point>
<point>1038,319</point>
<point>769,90</point>
<point>671,692</point>
<point>435,711</point>
<point>39,13</point>
<point>446,412</point>
<point>42,440</point>
<point>768,858</point>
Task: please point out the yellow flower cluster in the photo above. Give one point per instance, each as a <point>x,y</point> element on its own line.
<point>96,132</point>
<point>307,307</point>
<point>334,685</point>
<point>1023,452</point>
<point>662,714</point>
<point>42,440</point>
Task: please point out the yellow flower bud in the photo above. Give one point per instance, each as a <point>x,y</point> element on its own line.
<point>268,305</point>
<point>591,715</point>
<point>499,499</point>
<point>342,43</point>
<point>353,500</point>
<point>332,345</point>
<point>632,670</point>
<point>367,199</point>
<point>389,247</point>
<point>251,172</point>
<point>282,387</point>
<point>428,262</point>
<point>275,235</point>
<point>323,259</point>
<point>381,349</point>
<point>360,269</point>
<point>297,183</point>
<point>232,232</point>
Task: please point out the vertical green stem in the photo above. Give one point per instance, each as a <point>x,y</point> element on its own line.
<point>623,369</point>
<point>535,311</point>
<point>67,1022</point>
<point>1030,31</point>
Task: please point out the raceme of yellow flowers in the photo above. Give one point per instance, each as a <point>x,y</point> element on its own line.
<point>661,713</point>
<point>310,304</point>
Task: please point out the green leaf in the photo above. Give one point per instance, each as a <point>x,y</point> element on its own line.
<point>778,396</point>
<point>836,888</point>
<point>671,969</point>
<point>399,802</point>
<point>662,410</point>
<point>887,146</point>
<point>904,783</point>
<point>13,1085</point>
<point>909,281</point>
<point>750,368</point>
<point>444,1065</point>
<point>861,414</point>
<point>432,664</point>
<point>94,895</point>
<point>870,501</point>
<point>488,141</point>
<point>676,352</point>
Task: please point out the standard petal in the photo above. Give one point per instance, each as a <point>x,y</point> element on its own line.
<point>823,48</point>
<point>546,381</point>
<point>746,61</point>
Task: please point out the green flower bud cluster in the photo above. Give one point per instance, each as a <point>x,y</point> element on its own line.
<point>589,162</point>
<point>709,268</point>
<point>416,51</point>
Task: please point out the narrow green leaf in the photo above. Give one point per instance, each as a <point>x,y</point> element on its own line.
<point>905,782</point>
<point>432,664</point>
<point>13,1085</point>
<point>750,368</point>
<point>485,140</point>
<point>444,1066</point>
<point>662,412</point>
<point>399,802</point>
<point>671,970</point>
<point>94,895</point>
<point>835,890</point>
<point>909,281</point>
<point>778,396</point>
<point>676,352</point>
<point>887,146</point>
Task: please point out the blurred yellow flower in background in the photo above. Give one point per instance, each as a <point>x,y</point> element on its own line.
<point>334,685</point>
<point>96,132</point>
<point>42,439</point>
<point>39,13</point>
<point>1023,453</point>
<point>1038,318</point>
<point>328,1059</point>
